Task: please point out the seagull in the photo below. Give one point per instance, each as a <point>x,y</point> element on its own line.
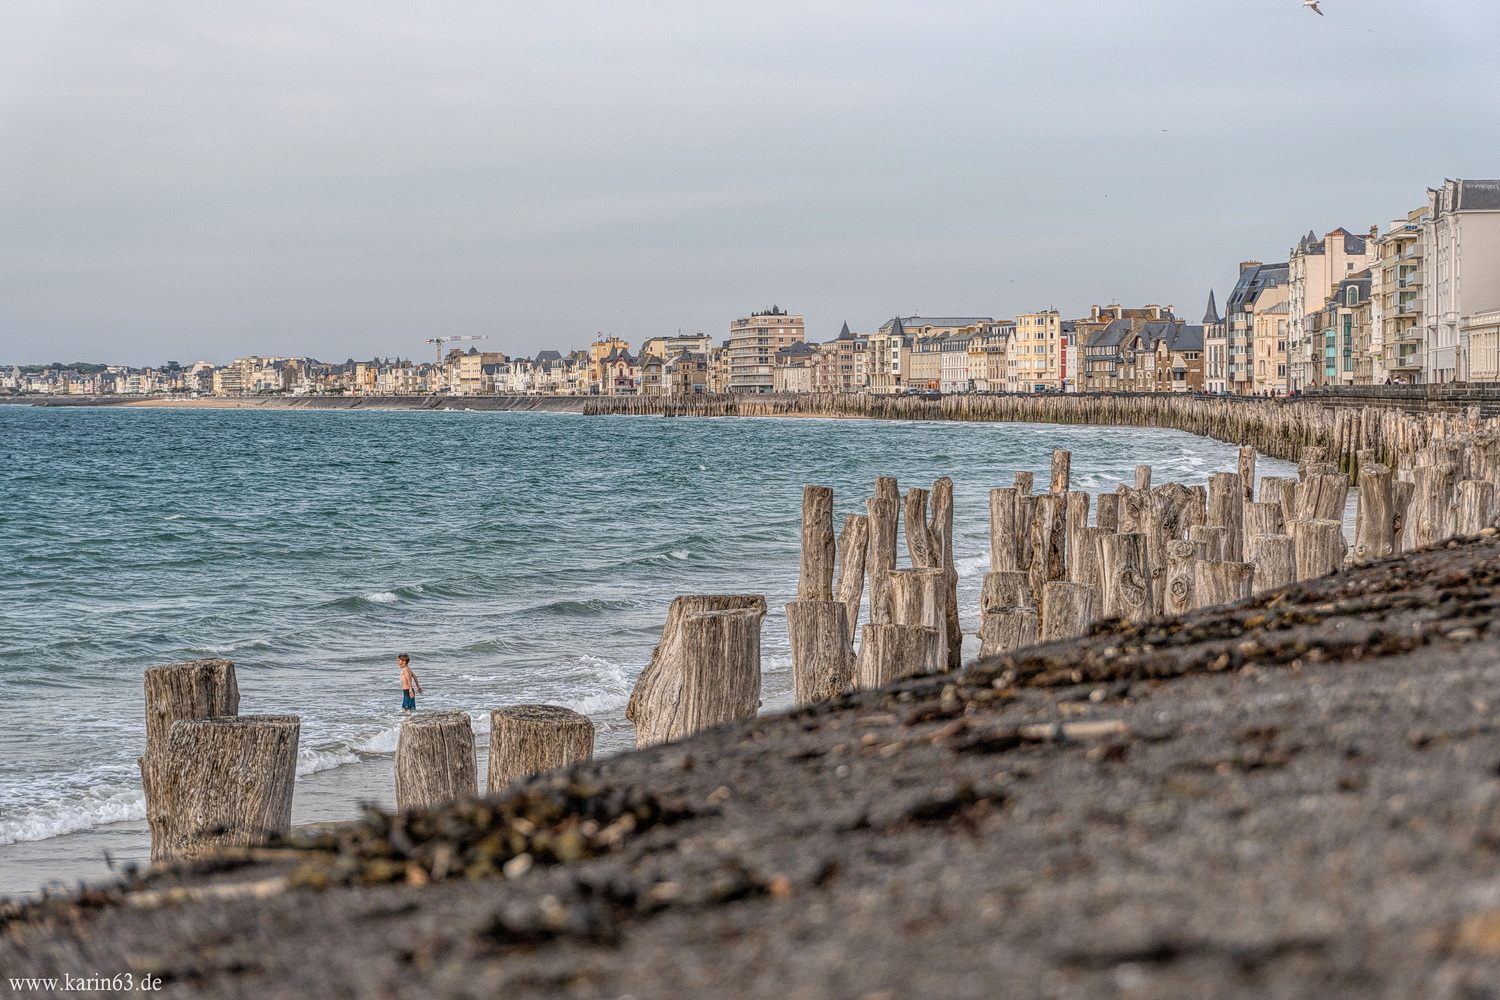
<point>1314,5</point>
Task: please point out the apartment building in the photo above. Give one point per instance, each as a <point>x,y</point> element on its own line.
<point>1234,355</point>
<point>753,343</point>
<point>1036,352</point>
<point>1395,293</point>
<point>1315,267</point>
<point>1462,252</point>
<point>889,346</point>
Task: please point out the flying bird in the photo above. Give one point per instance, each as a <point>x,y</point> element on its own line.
<point>1314,5</point>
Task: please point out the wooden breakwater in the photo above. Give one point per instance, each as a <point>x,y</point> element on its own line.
<point>1280,428</point>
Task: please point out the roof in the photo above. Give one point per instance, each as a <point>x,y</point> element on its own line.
<point>1476,196</point>
<point>1211,315</point>
<point>545,356</point>
<point>940,321</point>
<point>1252,281</point>
<point>844,334</point>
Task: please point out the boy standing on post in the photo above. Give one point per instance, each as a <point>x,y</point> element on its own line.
<point>410,686</point>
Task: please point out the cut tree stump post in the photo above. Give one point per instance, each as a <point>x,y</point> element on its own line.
<point>1042,526</point>
<point>1067,610</point>
<point>919,541</point>
<point>435,760</point>
<point>888,488</point>
<point>1025,482</point>
<point>1212,541</point>
<point>853,546</point>
<point>221,782</point>
<point>1003,529</point>
<point>1323,496</point>
<point>1077,521</point>
<point>890,652</point>
<point>822,651</point>
<point>940,530</point>
<point>1275,560</point>
<point>1108,516</point>
<point>884,513</point>
<point>919,597</point>
<point>1403,492</point>
<point>1319,547</point>
<point>1085,565</point>
<point>1062,466</point>
<point>658,704</point>
<point>1473,506</point>
<point>530,739</point>
<point>1143,477</point>
<point>1247,473</point>
<point>1178,596</point>
<point>1375,515</point>
<point>1427,517</point>
<point>1122,572</point>
<point>720,656</point>
<point>815,579</point>
<point>1226,510</point>
<point>1005,589</point>
<point>1025,517</point>
<point>1216,582</point>
<point>1005,630</point>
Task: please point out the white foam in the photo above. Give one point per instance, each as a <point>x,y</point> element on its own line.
<point>95,806</point>
<point>971,566</point>
<point>680,553</point>
<point>172,517</point>
<point>382,742</point>
<point>311,761</point>
<point>384,597</point>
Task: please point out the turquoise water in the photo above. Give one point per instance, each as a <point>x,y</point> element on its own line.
<point>517,557</point>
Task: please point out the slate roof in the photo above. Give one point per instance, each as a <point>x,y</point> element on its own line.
<point>545,357</point>
<point>1212,314</point>
<point>912,321</point>
<point>1478,195</point>
<point>1252,281</point>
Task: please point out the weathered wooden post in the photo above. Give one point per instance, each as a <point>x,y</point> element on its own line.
<point>1313,454</point>
<point>1212,540</point>
<point>1004,630</point>
<point>1375,515</point>
<point>888,488</point>
<point>1323,496</point>
<point>1077,521</point>
<point>919,597</point>
<point>1002,529</point>
<point>890,652</point>
<point>1319,547</point>
<point>1263,519</point>
<point>1127,588</point>
<point>1024,483</point>
<point>1005,589</point>
<point>1226,510</point>
<point>1271,489</point>
<point>1247,473</point>
<point>853,545</point>
<point>1067,610</point>
<point>1403,492</point>
<point>1177,598</point>
<point>1275,560</point>
<point>822,651</point>
<point>665,702</point>
<point>1085,565</point>
<point>920,547</point>
<point>1473,506</point>
<point>530,739</point>
<point>221,782</point>
<point>1216,582</point>
<point>1062,465</point>
<point>1025,518</point>
<point>1143,477</point>
<point>940,531</point>
<point>884,514</point>
<point>1108,516</point>
<point>1043,545</point>
<point>1427,518</point>
<point>815,579</point>
<point>435,761</point>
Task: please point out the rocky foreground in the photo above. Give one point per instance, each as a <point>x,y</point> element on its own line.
<point>1297,796</point>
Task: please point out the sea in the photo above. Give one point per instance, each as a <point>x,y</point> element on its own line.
<point>516,557</point>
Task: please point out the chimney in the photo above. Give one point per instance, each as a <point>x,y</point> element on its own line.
<point>1245,265</point>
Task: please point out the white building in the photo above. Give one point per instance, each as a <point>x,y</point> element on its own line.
<point>1462,255</point>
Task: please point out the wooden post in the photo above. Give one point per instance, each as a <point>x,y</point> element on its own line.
<point>1319,547</point>
<point>1005,589</point>
<point>1025,517</point>
<point>815,579</point>
<point>1108,516</point>
<point>919,597</point>
<point>1427,518</point>
<point>1077,520</point>
<point>1127,589</point>
<point>1154,537</point>
<point>919,542</point>
<point>854,545</point>
<point>1472,509</point>
<point>1085,566</point>
<point>1024,483</point>
<point>1311,455</point>
<point>1177,598</point>
<point>888,488</point>
<point>1275,560</point>
<point>435,761</point>
<point>822,651</point>
<point>1263,519</point>
<point>1062,464</point>
<point>720,656</point>
<point>1212,541</point>
<point>1005,630</point>
<point>530,739</point>
<point>658,703</point>
<point>940,530</point>
<point>1323,496</point>
<point>1003,529</point>
<point>1067,610</point>
<point>1042,526</point>
<point>1375,515</point>
<point>1143,477</point>
<point>197,689</point>
<point>884,513</point>
<point>890,652</point>
<point>1216,582</point>
<point>1131,504</point>
<point>1247,473</point>
<point>1403,492</point>
<point>221,782</point>
<point>1197,510</point>
<point>1271,489</point>
<point>1226,510</point>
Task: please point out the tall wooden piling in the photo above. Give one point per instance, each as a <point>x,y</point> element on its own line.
<point>1003,542</point>
<point>920,597</point>
<point>1275,561</point>
<point>1226,510</point>
<point>890,652</point>
<point>530,739</point>
<point>1062,465</point>
<point>435,760</point>
<point>1218,582</point>
<point>1108,515</point>
<point>1319,546</point>
<point>1375,515</point>
<point>1127,588</point>
<point>853,549</point>
<point>1067,610</point>
<point>1473,507</point>
<point>1178,595</point>
<point>1005,589</point>
<point>1143,477</point>
<point>1247,473</point>
<point>1025,482</point>
<point>940,530</point>
<point>822,650</point>
<point>920,547</point>
<point>884,513</point>
<point>815,579</point>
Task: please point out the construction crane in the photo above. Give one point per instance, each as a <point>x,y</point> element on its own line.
<point>440,341</point>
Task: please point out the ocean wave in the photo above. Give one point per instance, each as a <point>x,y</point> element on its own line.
<point>592,606</point>
<point>94,806</point>
<point>613,686</point>
<point>384,597</point>
<point>972,566</point>
<point>311,761</point>
<point>382,742</point>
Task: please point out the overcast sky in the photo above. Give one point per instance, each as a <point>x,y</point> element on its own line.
<point>207,180</point>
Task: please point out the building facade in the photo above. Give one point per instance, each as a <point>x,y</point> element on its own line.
<point>753,343</point>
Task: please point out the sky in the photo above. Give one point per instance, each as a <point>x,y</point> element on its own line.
<point>208,180</point>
